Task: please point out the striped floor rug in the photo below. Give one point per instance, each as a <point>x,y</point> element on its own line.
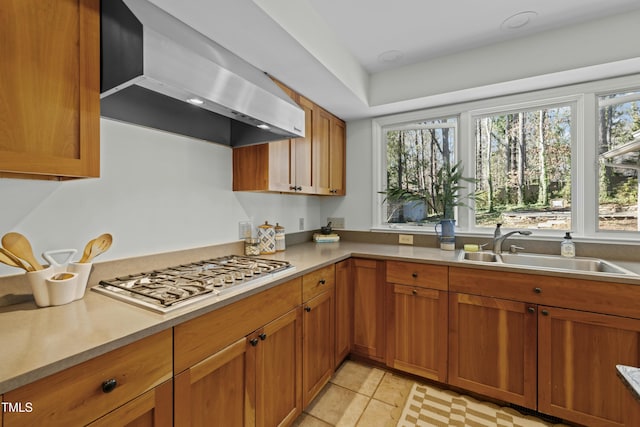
<point>428,406</point>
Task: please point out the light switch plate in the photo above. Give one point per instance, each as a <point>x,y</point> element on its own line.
<point>405,239</point>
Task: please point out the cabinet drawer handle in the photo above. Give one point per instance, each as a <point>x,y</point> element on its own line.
<point>414,275</point>
<point>307,309</point>
<point>322,282</point>
<point>109,385</point>
<point>531,310</point>
<point>263,336</point>
<point>545,312</point>
<point>253,341</point>
<point>415,292</point>
<point>537,290</point>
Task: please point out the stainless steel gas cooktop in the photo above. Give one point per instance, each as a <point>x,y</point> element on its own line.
<point>174,287</point>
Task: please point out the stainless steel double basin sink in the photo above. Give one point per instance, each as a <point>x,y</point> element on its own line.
<point>551,262</point>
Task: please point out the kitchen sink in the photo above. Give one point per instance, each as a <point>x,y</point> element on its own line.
<point>480,256</point>
<point>552,262</point>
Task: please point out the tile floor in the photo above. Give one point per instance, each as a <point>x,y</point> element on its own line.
<point>358,395</point>
<point>363,396</point>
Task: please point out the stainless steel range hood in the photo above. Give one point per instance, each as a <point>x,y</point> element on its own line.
<point>159,72</point>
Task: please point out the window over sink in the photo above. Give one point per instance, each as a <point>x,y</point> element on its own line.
<point>619,154</point>
<point>554,160</point>
<point>523,168</point>
<point>415,156</point>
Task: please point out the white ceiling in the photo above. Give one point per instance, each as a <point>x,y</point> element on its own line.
<point>424,29</point>
<point>329,49</point>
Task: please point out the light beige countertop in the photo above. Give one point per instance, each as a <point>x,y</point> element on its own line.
<point>37,342</point>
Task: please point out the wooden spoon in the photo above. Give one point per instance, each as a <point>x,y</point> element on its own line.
<point>19,246</point>
<point>8,258</point>
<point>87,251</point>
<point>99,245</point>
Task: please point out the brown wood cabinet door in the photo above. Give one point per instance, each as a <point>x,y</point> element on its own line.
<point>216,391</point>
<point>577,355</point>
<point>153,409</point>
<point>50,88</point>
<point>318,344</point>
<point>278,374</point>
<point>322,150</point>
<point>280,173</point>
<point>492,347</point>
<point>338,158</point>
<point>417,331</point>
<point>368,309</point>
<point>329,153</point>
<point>344,311</point>
<point>302,152</point>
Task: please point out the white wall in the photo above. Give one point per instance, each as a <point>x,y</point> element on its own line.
<point>157,192</point>
<point>356,206</point>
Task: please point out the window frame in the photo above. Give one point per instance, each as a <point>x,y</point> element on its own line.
<point>414,125</point>
<point>575,103</point>
<point>612,234</point>
<point>583,98</point>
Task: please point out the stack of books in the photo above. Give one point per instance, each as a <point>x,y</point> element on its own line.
<point>325,238</point>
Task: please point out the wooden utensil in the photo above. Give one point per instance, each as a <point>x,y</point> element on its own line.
<point>87,251</point>
<point>96,247</point>
<point>8,258</point>
<point>19,246</point>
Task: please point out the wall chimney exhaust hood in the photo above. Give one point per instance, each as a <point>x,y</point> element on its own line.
<point>159,72</point>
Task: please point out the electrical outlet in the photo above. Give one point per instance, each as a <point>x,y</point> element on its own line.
<point>336,222</point>
<point>301,224</point>
<point>405,239</point>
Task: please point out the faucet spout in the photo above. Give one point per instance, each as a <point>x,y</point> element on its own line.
<point>499,238</point>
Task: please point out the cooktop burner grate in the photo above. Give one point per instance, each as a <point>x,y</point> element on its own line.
<point>164,289</point>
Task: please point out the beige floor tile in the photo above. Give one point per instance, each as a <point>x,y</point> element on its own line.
<point>393,389</point>
<point>338,406</point>
<point>359,378</point>
<point>379,414</point>
<point>306,420</point>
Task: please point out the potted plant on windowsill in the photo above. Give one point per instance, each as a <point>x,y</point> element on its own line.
<point>439,199</point>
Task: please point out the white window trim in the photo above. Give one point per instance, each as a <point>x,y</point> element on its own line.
<point>577,152</point>
<point>401,122</point>
<point>583,98</point>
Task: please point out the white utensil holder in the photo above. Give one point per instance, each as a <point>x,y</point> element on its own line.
<point>48,290</point>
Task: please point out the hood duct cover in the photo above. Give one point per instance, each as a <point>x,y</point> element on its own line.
<point>152,63</point>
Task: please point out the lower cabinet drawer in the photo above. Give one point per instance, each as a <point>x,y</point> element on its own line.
<point>416,274</point>
<point>85,392</point>
<point>618,299</point>
<point>318,281</point>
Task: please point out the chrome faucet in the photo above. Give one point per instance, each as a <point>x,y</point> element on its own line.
<point>499,238</point>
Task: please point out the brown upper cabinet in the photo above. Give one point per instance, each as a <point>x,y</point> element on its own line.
<point>50,89</point>
<point>329,151</point>
<point>314,164</point>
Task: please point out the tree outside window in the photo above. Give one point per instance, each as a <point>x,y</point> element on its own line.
<point>618,150</point>
<point>419,161</point>
<point>523,168</point>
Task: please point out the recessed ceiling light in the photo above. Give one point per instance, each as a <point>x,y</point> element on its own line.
<point>518,20</point>
<point>263,126</point>
<point>390,56</point>
<point>195,101</point>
